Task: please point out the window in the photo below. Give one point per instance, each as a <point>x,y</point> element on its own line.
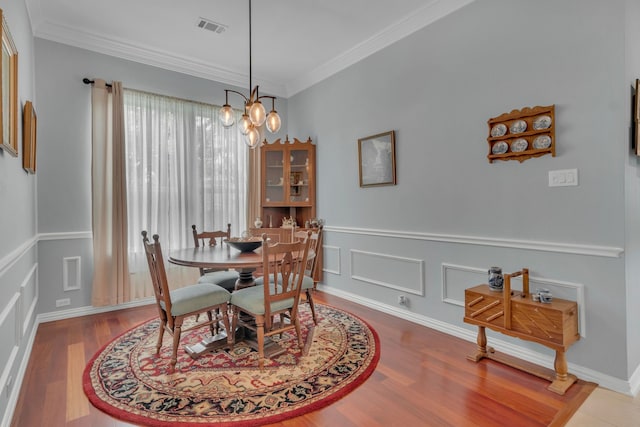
<point>183,168</point>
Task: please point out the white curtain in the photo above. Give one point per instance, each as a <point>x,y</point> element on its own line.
<point>109,203</point>
<point>183,168</point>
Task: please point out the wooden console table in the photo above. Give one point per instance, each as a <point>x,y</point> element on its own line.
<point>514,313</point>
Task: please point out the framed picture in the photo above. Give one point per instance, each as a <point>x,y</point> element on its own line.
<point>377,160</point>
<point>636,118</point>
<point>9,91</point>
<point>29,134</point>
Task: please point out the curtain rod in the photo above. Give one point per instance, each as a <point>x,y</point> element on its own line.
<point>90,82</point>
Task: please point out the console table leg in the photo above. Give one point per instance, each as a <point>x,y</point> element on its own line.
<point>560,365</point>
<point>482,346</point>
<point>563,380</point>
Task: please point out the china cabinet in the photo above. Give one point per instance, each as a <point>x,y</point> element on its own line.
<point>288,190</point>
<point>288,182</point>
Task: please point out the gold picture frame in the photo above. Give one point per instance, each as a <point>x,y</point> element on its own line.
<point>29,134</point>
<point>377,160</point>
<point>8,91</point>
<point>636,118</point>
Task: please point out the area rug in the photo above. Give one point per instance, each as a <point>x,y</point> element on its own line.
<point>128,381</point>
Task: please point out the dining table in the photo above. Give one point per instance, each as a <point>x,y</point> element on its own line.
<point>221,257</point>
<point>224,257</point>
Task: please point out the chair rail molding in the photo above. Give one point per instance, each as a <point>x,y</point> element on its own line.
<point>12,257</point>
<point>66,235</point>
<point>557,247</point>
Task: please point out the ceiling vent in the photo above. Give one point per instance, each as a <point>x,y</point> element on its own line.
<point>206,24</point>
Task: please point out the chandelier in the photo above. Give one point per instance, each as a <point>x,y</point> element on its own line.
<point>254,115</point>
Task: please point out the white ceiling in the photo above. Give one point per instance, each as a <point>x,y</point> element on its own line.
<point>296,43</point>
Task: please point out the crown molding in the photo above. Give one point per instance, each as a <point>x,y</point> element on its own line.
<point>427,14</point>
<point>146,55</point>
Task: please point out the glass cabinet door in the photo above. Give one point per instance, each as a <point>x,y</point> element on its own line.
<point>274,172</point>
<point>299,176</point>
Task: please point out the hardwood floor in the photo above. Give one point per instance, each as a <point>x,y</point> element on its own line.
<point>423,379</point>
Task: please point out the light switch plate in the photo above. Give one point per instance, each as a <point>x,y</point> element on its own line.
<point>563,178</point>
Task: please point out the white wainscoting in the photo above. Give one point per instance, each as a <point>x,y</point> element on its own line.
<point>455,279</point>
<point>390,271</point>
<point>10,334</point>
<point>331,259</point>
<point>29,299</point>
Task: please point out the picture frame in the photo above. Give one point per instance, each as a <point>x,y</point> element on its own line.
<point>29,137</point>
<point>8,90</point>
<point>636,118</point>
<point>377,160</point>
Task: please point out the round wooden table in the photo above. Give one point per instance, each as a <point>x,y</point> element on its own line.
<point>222,257</point>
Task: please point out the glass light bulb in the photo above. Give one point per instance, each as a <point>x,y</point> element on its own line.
<point>252,138</point>
<point>245,124</point>
<point>257,113</point>
<point>226,116</point>
<point>273,121</point>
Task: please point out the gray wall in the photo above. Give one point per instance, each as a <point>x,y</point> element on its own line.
<point>18,240</point>
<point>632,196</point>
<point>64,178</point>
<point>452,214</point>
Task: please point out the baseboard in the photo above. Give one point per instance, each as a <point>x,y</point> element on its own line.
<point>630,388</point>
<point>86,311</point>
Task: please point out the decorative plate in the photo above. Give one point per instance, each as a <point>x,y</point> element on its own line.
<point>542,122</point>
<point>500,147</point>
<point>498,130</point>
<point>518,126</point>
<point>519,145</point>
<point>542,142</point>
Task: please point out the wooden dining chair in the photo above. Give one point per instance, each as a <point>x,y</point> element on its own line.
<point>222,277</point>
<point>258,307</point>
<point>308,281</point>
<point>176,305</point>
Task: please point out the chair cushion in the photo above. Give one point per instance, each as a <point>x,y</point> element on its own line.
<point>307,282</point>
<point>226,279</point>
<point>252,300</point>
<point>194,298</point>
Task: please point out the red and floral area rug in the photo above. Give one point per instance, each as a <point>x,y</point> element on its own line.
<point>127,380</point>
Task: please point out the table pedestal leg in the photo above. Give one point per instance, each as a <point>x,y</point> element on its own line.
<point>245,279</point>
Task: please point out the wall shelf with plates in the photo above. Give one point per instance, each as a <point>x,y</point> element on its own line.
<point>522,134</point>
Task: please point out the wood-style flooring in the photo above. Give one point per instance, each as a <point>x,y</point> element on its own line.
<point>423,379</point>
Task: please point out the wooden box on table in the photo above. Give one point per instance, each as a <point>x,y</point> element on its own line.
<point>514,313</point>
